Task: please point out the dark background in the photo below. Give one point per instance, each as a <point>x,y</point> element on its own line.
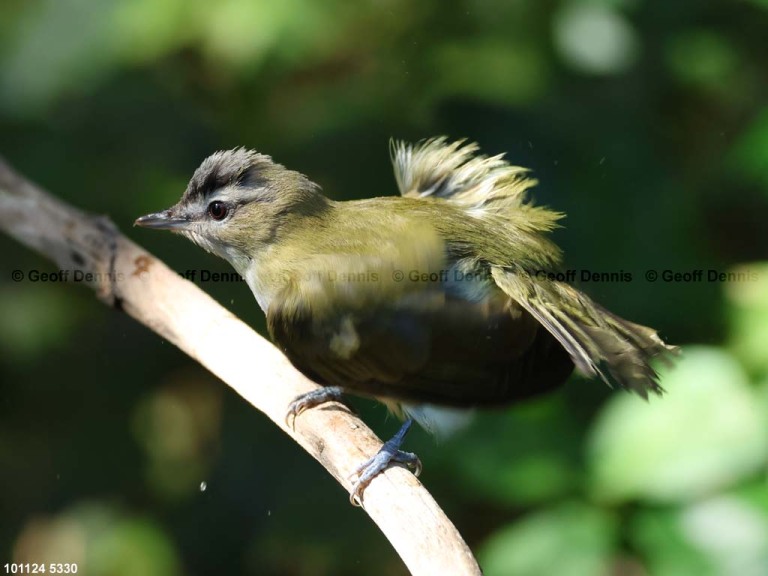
<point>647,122</point>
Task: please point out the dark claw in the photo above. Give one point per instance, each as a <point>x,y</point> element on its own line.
<point>310,400</point>
<point>375,466</point>
<point>390,452</point>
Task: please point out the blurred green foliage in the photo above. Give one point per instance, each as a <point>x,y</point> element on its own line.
<point>647,122</point>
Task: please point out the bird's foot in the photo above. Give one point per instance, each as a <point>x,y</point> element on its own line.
<point>310,400</point>
<point>390,452</point>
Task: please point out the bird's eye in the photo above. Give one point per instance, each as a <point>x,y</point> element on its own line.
<point>217,210</point>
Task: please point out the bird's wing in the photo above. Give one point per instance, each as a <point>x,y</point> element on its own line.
<point>599,342</point>
<point>428,343</point>
<point>352,315</point>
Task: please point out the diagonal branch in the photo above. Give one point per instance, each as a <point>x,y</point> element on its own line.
<point>130,279</point>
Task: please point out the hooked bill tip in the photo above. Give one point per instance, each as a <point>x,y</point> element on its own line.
<point>160,221</point>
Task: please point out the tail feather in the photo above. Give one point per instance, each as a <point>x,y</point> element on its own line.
<point>485,188</point>
<point>599,342</point>
<point>453,171</point>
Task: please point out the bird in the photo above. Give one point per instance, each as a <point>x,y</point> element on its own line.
<point>443,299</point>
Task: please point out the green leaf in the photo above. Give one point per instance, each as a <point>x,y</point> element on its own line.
<point>571,540</point>
<point>658,536</point>
<point>707,432</point>
<point>526,455</point>
<point>747,299</point>
<point>727,534</point>
<point>703,58</point>
<point>491,70</point>
<point>750,153</point>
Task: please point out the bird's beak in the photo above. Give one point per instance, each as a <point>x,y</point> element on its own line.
<point>162,221</point>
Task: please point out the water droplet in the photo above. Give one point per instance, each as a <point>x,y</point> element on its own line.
<point>203,486</point>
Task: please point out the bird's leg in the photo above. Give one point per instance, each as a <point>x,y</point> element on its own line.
<point>388,453</point>
<point>310,400</point>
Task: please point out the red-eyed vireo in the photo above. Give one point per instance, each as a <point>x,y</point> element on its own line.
<point>435,300</point>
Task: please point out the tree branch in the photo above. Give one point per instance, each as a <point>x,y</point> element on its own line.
<point>128,278</point>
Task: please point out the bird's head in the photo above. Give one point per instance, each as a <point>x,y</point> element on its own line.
<point>237,204</point>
